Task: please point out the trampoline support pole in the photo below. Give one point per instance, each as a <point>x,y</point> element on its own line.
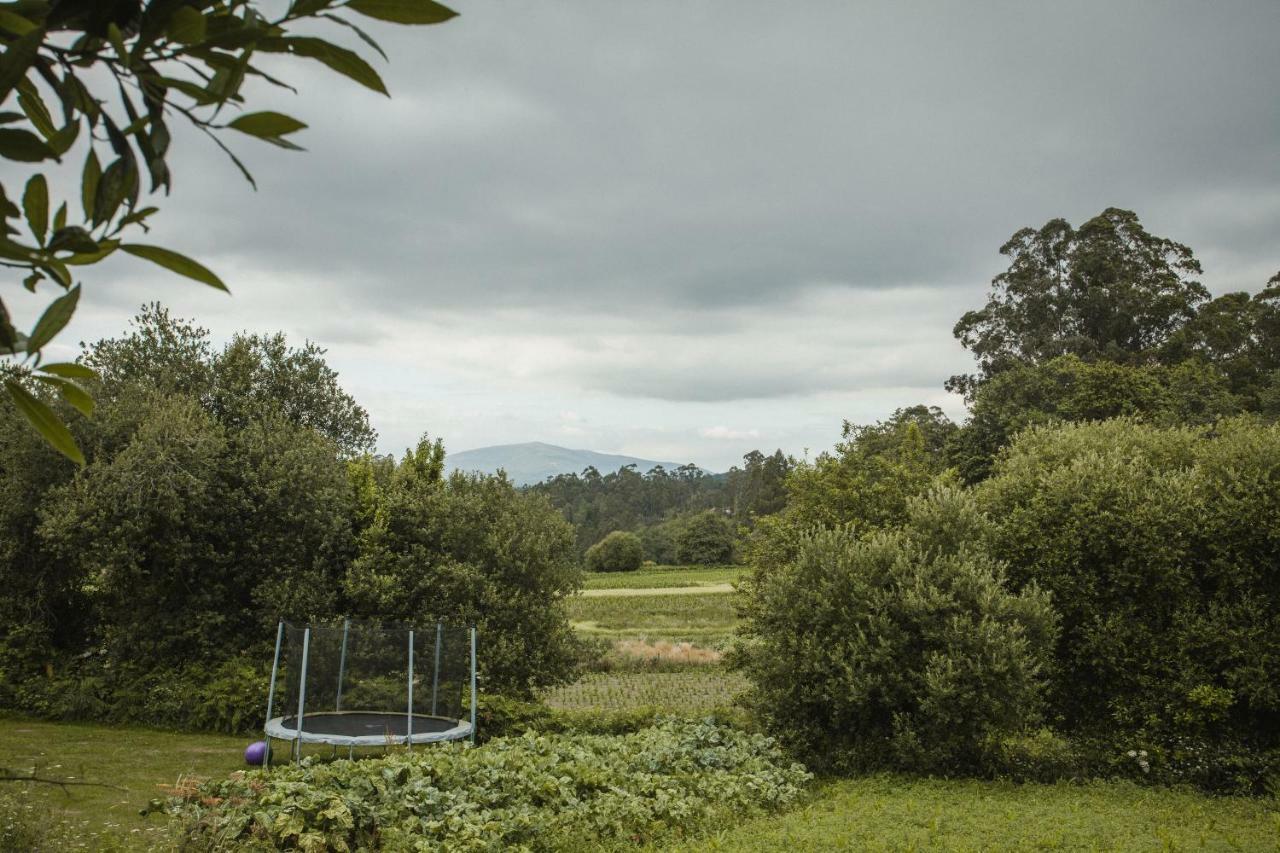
<point>271,691</point>
<point>435,679</point>
<point>408,738</point>
<point>302,695</point>
<point>473,684</point>
<point>342,662</point>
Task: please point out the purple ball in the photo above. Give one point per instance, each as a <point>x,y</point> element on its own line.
<point>255,752</point>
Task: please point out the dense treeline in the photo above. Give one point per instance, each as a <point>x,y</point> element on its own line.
<point>228,488</point>
<point>660,505</point>
<point>1093,550</point>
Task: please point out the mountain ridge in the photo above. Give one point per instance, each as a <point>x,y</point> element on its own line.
<point>532,462</point>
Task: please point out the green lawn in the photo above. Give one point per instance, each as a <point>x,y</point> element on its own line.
<point>658,577</point>
<point>888,813</point>
<point>137,762</point>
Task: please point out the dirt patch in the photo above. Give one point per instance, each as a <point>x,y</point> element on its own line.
<point>665,650</point>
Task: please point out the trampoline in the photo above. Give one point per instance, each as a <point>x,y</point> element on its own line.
<point>369,684</point>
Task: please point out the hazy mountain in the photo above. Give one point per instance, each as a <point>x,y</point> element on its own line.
<point>534,461</point>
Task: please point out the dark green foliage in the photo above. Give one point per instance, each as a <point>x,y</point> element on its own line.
<point>1108,290</point>
<point>466,549</point>
<point>898,649</point>
<point>1068,389</point>
<point>117,72</point>
<point>758,488</point>
<point>220,496</point>
<point>1159,547</point>
<point>620,551</point>
<point>556,792</point>
<point>661,501</point>
<point>866,481</point>
<point>707,539</point>
<point>626,500</point>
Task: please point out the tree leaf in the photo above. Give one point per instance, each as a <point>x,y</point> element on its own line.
<point>73,238</point>
<point>71,392</point>
<point>45,421</point>
<point>60,218</point>
<point>54,319</point>
<point>187,26</point>
<point>175,262</point>
<point>403,11</point>
<point>23,146</point>
<point>35,202</point>
<point>266,125</point>
<point>69,370</point>
<point>89,183</point>
<point>345,62</point>
<point>17,58</point>
<point>365,37</point>
<point>15,24</point>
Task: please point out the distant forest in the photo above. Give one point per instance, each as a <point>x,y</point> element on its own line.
<point>658,502</point>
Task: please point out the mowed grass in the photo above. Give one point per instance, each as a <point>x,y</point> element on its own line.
<point>137,763</point>
<point>688,692</point>
<point>890,813</point>
<point>701,618</point>
<point>661,577</point>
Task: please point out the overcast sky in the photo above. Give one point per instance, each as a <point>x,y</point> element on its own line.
<point>686,230</point>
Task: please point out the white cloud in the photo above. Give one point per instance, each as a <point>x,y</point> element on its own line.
<point>724,433</point>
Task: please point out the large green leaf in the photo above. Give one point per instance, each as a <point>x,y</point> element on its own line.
<point>345,62</point>
<point>17,58</point>
<point>403,11</point>
<point>89,183</point>
<point>35,202</point>
<point>175,262</point>
<point>187,26</point>
<point>45,421</point>
<point>267,125</point>
<point>54,319</point>
<point>23,146</point>
<point>71,392</point>
<point>69,370</point>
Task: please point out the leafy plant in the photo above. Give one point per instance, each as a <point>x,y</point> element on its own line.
<point>901,649</point>
<point>117,72</point>
<point>536,792</point>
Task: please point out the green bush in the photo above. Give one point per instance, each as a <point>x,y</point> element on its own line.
<point>620,551</point>
<point>556,792</point>
<point>903,649</point>
<point>707,539</point>
<point>1159,547</point>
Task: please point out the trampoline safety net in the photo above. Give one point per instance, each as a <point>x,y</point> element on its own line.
<point>363,683</point>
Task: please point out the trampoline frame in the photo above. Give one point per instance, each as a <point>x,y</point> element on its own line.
<point>275,727</point>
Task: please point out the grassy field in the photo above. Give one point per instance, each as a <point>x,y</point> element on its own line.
<point>137,763</point>
<point>888,813</point>
<point>692,691</point>
<point>659,577</point>
<point>703,618</point>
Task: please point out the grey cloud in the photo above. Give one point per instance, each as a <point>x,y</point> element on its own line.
<point>678,170</point>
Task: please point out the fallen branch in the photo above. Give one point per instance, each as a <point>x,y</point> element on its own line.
<point>9,775</point>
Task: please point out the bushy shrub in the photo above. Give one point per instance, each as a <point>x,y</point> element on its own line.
<point>467,549</point>
<point>902,649</point>
<point>708,539</point>
<point>556,792</point>
<point>620,551</point>
<point>1159,547</point>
